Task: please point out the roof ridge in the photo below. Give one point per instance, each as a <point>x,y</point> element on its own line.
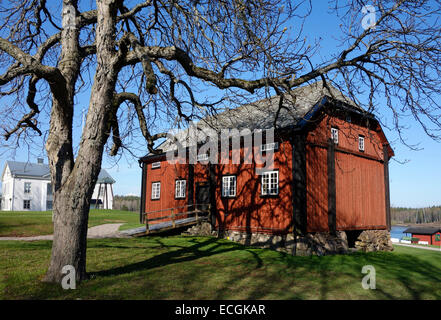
<point>265,113</point>
<point>42,170</point>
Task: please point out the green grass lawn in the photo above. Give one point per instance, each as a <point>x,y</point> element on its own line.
<point>177,267</point>
<point>28,223</point>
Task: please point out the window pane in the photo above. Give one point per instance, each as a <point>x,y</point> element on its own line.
<point>180,189</point>
<point>270,183</point>
<point>232,186</point>
<point>361,143</point>
<point>26,204</point>
<point>334,135</point>
<point>156,190</point>
<point>229,186</point>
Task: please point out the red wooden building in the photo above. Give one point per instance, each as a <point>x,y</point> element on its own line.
<point>431,235</point>
<point>330,170</point>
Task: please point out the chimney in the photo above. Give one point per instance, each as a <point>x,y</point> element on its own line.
<point>40,160</point>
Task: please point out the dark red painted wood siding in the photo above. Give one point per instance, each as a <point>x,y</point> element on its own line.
<point>360,185</point>
<point>431,239</point>
<point>249,211</point>
<point>167,174</point>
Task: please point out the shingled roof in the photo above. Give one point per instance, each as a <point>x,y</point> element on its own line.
<point>266,113</point>
<point>262,114</point>
<point>423,230</point>
<point>26,169</point>
<point>42,171</point>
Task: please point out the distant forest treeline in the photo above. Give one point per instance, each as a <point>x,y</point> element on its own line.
<point>398,215</point>
<point>422,215</point>
<point>126,203</point>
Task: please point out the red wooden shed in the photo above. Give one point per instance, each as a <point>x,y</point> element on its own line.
<point>431,235</point>
<point>330,169</point>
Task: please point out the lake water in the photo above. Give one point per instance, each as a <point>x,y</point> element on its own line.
<point>397,232</point>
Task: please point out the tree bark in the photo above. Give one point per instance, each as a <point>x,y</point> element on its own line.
<point>75,180</point>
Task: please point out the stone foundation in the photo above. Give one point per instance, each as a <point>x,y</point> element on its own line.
<point>374,240</point>
<point>319,243</point>
<point>311,244</point>
<point>200,229</point>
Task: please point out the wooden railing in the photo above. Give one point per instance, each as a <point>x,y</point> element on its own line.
<point>174,215</point>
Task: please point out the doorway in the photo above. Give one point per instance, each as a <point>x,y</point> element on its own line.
<point>202,196</point>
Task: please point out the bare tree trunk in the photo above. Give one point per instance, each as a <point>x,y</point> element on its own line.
<point>72,199</point>
<point>74,187</point>
<point>70,234</point>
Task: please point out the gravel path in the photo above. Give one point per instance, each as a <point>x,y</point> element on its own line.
<point>417,247</point>
<point>109,230</point>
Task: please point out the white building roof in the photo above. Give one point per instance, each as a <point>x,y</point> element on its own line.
<point>42,171</point>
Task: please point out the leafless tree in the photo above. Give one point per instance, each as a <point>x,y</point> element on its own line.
<point>143,62</point>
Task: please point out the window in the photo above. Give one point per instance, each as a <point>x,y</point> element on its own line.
<point>269,146</point>
<point>27,187</point>
<point>360,143</point>
<point>180,189</point>
<point>26,204</point>
<point>348,119</point>
<point>270,183</point>
<point>48,205</point>
<point>156,190</point>
<point>228,186</point>
<point>334,135</point>
<point>49,189</point>
<point>156,165</point>
<point>202,157</point>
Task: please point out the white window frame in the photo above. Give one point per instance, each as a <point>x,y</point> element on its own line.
<point>28,206</point>
<point>269,146</point>
<point>273,186</point>
<point>27,190</point>
<point>156,165</point>
<point>202,157</point>
<point>361,143</point>
<point>334,135</point>
<point>229,186</point>
<point>180,188</point>
<point>156,190</point>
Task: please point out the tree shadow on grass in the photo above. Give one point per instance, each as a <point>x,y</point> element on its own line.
<point>411,272</point>
<point>263,274</point>
<point>399,276</point>
<point>177,254</point>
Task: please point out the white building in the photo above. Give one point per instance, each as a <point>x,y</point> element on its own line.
<point>27,187</point>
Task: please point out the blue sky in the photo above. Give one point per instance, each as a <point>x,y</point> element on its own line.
<point>414,183</point>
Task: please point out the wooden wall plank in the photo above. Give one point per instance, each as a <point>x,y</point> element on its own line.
<point>143,192</point>
<point>386,185</point>
<point>332,210</point>
<point>299,183</point>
